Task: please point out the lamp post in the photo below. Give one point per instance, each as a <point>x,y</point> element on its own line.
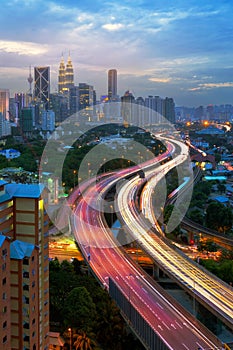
<point>111,215</point>
<point>70,332</point>
<point>74,172</point>
<point>104,160</point>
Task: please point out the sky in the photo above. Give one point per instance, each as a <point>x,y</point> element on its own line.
<point>181,49</point>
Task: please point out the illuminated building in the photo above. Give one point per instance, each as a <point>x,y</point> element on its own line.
<point>25,267</point>
<point>86,100</point>
<point>4,103</point>
<point>65,76</point>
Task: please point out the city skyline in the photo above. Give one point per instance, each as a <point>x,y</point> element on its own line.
<point>177,50</point>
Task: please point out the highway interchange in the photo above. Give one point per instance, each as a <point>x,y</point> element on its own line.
<point>174,325</point>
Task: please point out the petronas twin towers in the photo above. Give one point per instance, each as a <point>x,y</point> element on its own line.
<point>66,75</point>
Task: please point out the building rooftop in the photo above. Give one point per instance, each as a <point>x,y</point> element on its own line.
<point>2,239</point>
<point>55,339</point>
<point>25,190</point>
<point>5,197</point>
<point>3,182</point>
<point>20,250</point>
<point>221,199</point>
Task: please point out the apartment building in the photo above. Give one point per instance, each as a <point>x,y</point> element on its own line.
<point>24,228</point>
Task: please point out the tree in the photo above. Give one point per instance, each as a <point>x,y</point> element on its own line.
<point>196,216</point>
<point>79,309</point>
<point>83,342</point>
<point>221,187</point>
<point>219,217</point>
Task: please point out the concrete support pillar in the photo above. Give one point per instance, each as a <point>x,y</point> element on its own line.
<point>155,272</point>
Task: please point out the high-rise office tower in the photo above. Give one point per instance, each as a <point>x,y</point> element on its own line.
<point>112,84</point>
<point>86,96</point>
<point>65,76</point>
<point>26,121</point>
<point>61,76</point>
<point>69,74</point>
<point>4,103</point>
<point>42,85</point>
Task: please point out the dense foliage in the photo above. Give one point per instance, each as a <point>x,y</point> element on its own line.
<point>78,302</point>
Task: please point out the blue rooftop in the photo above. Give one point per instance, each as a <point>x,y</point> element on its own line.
<point>5,197</point>
<point>25,190</point>
<point>20,250</point>
<point>221,199</point>
<point>2,239</point>
<point>2,182</point>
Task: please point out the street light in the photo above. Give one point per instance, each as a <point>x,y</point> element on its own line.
<point>70,332</point>
<point>111,215</point>
<point>74,172</point>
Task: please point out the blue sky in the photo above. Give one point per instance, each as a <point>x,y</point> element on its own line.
<point>181,49</point>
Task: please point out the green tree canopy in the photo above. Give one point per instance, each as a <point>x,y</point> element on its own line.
<point>219,217</point>
<point>79,309</point>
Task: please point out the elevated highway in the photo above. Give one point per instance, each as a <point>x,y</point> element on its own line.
<point>208,289</point>
<point>165,320</point>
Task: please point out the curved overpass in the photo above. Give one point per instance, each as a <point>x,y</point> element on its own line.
<point>212,292</point>
<point>176,328</point>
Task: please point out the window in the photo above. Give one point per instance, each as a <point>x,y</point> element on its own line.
<point>4,252</point>
<point>3,266</point>
<point>33,321</point>
<point>25,261</point>
<point>4,324</point>
<point>3,296</point>
<point>4,339</point>
<point>4,309</point>
<point>4,281</point>
<point>25,287</point>
<point>26,274</point>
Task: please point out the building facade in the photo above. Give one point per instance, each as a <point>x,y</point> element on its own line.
<point>4,103</point>
<point>42,85</point>
<point>112,84</point>
<point>24,221</point>
<point>65,76</point>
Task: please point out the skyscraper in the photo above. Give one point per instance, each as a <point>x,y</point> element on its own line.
<point>42,85</point>
<point>61,76</point>
<point>69,74</point>
<point>112,84</point>
<point>4,103</point>
<point>169,109</point>
<point>65,76</point>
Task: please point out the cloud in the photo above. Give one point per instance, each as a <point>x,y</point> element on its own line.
<point>22,48</point>
<point>160,80</point>
<point>207,86</point>
<point>111,27</point>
